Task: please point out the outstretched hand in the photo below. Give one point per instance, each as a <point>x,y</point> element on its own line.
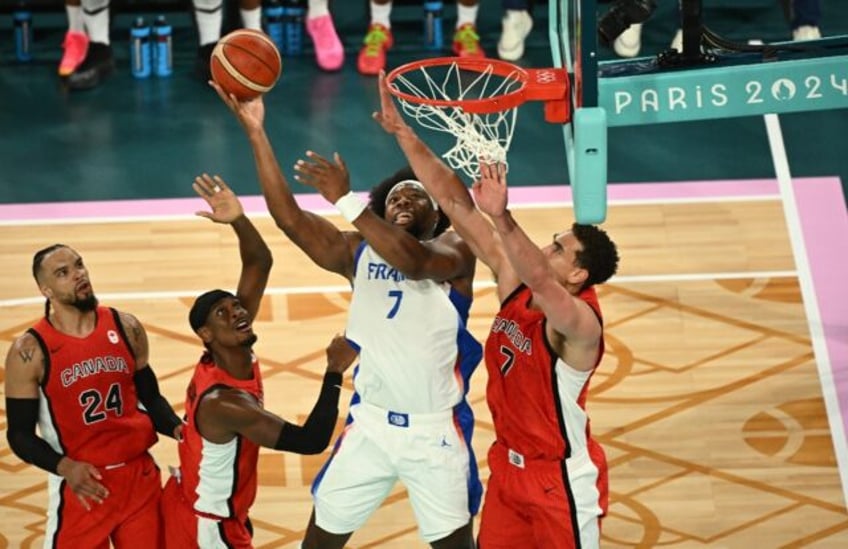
<point>490,191</point>
<point>331,179</point>
<point>225,205</point>
<point>250,113</point>
<point>388,117</point>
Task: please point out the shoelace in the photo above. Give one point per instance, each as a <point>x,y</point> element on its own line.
<point>374,41</point>
<point>468,37</point>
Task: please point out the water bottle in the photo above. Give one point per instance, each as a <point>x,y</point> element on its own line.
<point>23,35</point>
<point>274,23</point>
<point>140,51</point>
<point>433,25</point>
<point>293,15</point>
<point>163,59</point>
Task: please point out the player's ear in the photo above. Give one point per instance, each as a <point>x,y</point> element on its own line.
<point>205,334</point>
<point>46,291</point>
<point>578,276</point>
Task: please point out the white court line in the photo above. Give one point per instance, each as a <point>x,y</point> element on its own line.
<point>257,214</point>
<point>808,294</point>
<point>633,279</point>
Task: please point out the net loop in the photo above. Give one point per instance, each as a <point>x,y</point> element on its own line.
<point>478,105</point>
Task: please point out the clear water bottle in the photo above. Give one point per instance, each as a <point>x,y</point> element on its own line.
<point>23,35</point>
<point>140,50</point>
<point>293,17</point>
<point>274,23</point>
<point>163,56</point>
<point>433,38</point>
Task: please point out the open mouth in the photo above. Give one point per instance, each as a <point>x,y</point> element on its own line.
<point>243,326</point>
<point>83,287</point>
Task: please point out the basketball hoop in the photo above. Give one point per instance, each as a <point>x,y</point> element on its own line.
<point>476,101</point>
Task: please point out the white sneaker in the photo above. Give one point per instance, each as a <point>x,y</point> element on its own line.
<point>517,24</point>
<point>629,42</point>
<point>677,41</point>
<point>806,32</point>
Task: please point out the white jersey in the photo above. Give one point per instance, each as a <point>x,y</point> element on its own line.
<point>416,355</point>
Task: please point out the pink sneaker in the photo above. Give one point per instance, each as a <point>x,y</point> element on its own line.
<point>329,52</point>
<point>76,47</point>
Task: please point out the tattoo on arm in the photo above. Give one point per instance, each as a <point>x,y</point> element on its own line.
<point>27,354</point>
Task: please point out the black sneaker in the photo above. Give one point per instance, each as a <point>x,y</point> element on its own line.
<point>98,64</point>
<point>204,55</point>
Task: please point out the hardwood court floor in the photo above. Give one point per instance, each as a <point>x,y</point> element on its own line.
<point>708,401</point>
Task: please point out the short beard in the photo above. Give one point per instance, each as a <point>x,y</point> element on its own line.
<point>85,305</point>
<point>250,341</point>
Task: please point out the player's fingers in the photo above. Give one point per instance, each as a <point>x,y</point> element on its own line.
<point>340,161</point>
<point>484,169</point>
<point>317,158</point>
<point>302,166</point>
<point>201,213</point>
<point>202,190</point>
<point>92,470</point>
<point>220,183</point>
<point>206,184</point>
<point>84,502</point>
<point>306,180</point>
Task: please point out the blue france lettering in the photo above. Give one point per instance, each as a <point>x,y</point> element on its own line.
<point>382,271</point>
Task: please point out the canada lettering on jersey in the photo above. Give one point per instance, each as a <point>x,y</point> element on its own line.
<point>383,271</point>
<point>513,332</point>
<point>93,366</point>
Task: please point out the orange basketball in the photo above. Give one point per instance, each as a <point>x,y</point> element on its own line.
<point>246,63</point>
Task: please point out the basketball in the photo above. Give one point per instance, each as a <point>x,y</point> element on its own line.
<point>245,63</point>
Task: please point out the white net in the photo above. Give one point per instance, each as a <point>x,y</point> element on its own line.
<point>479,137</point>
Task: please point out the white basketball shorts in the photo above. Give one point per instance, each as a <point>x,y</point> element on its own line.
<point>426,452</point>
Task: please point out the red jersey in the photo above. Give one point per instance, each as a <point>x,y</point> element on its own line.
<point>218,479</point>
<point>537,401</point>
<point>89,406</point>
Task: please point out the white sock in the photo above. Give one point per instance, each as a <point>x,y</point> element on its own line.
<point>209,18</point>
<point>466,14</point>
<point>380,14</point>
<point>95,15</point>
<point>75,23</point>
<point>251,19</point>
<point>318,8</point>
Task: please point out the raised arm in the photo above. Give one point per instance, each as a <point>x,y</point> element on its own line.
<point>161,413</point>
<point>325,244</point>
<point>226,412</point>
<point>255,255</point>
<point>572,325</point>
<point>24,370</point>
<point>446,257</point>
<point>442,183</point>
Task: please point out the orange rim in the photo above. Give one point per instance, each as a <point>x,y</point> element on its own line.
<point>493,104</point>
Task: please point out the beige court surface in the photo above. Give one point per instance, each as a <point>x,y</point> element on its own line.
<point>707,402</point>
